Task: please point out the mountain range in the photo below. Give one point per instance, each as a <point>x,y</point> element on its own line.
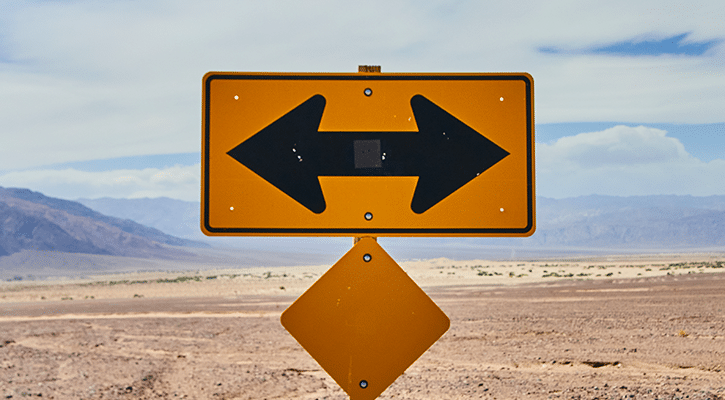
<point>663,222</point>
<point>163,228</point>
<point>32,221</point>
<point>635,222</point>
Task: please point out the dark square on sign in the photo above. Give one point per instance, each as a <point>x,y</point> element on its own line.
<point>367,154</point>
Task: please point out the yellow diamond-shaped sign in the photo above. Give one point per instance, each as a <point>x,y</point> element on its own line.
<point>365,321</point>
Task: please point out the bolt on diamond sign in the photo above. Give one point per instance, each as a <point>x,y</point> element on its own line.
<point>368,154</point>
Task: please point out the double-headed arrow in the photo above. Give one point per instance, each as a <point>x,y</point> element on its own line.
<point>444,154</point>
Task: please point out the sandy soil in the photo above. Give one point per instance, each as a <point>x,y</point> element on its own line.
<point>635,327</point>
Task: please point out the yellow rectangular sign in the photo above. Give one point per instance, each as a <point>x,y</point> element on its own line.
<point>367,154</point>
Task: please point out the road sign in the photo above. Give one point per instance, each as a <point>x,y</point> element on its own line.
<point>368,154</point>
<point>365,321</point>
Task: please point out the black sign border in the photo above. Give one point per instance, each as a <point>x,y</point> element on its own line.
<point>527,230</point>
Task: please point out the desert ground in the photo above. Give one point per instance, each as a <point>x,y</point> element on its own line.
<point>642,327</point>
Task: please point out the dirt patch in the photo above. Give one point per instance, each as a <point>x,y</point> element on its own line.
<point>653,338</point>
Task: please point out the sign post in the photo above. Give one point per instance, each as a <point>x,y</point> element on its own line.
<point>367,155</point>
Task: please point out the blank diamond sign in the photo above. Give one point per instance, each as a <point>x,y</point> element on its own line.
<point>365,321</point>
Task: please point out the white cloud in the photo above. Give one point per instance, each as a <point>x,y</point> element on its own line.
<point>95,80</point>
<point>624,161</point>
<point>178,182</point>
<point>617,146</point>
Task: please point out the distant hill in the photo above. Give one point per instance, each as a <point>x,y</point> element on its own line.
<point>33,221</point>
<point>635,222</point>
<point>175,217</point>
<point>587,222</point>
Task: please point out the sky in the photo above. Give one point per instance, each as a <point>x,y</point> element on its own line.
<point>103,99</point>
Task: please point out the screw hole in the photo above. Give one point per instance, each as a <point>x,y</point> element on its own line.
<point>368,216</point>
<point>236,97</point>
<point>367,257</point>
<point>368,92</point>
<point>363,384</point>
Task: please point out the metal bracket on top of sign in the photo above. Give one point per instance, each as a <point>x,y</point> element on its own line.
<point>367,155</point>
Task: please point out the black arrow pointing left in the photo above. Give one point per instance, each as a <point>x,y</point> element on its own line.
<point>291,154</point>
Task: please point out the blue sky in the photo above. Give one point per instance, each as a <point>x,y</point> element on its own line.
<point>678,45</point>
<point>104,98</point>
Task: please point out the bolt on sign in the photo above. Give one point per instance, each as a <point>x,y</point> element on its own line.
<point>374,154</point>
<point>367,154</point>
